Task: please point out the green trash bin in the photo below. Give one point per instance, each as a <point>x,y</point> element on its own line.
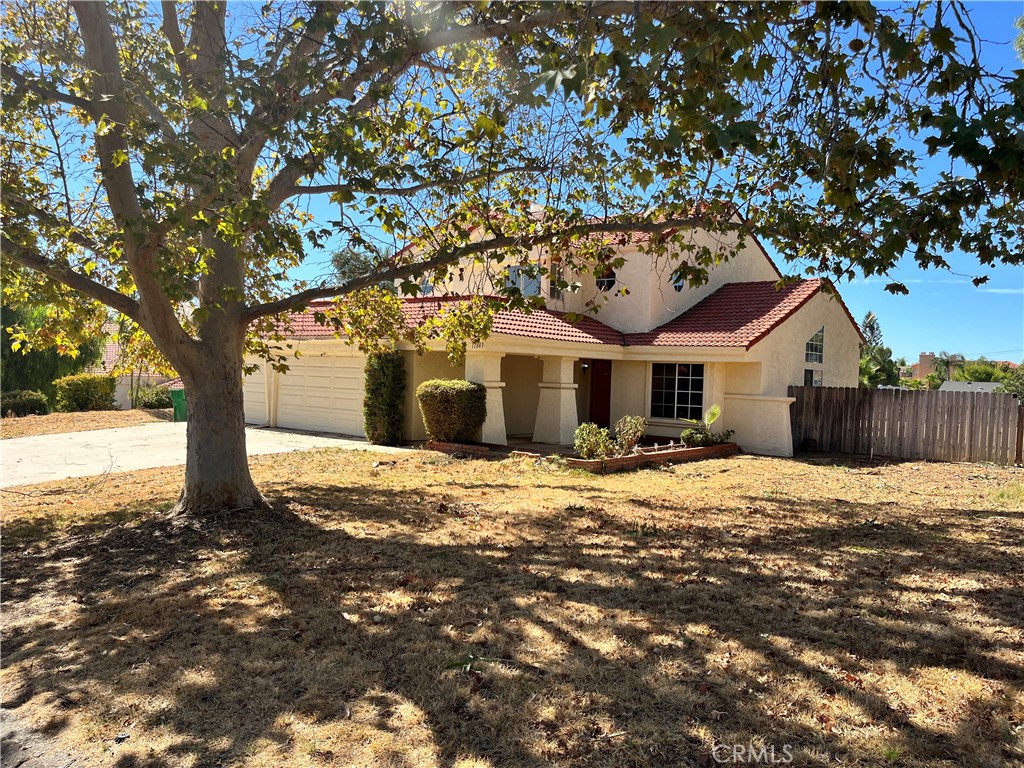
<point>178,399</point>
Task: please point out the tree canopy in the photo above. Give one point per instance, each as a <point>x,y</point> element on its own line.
<point>176,163</point>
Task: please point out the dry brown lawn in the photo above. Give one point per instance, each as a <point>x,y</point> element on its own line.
<point>437,612</point>
<point>54,423</point>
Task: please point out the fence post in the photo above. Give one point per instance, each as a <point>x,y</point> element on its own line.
<point>1018,459</point>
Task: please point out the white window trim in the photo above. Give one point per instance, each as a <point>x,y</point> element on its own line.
<point>661,421</point>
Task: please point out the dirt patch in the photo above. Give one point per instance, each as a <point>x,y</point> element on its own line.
<point>55,423</point>
<point>429,611</point>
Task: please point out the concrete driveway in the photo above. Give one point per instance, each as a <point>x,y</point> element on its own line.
<point>39,459</point>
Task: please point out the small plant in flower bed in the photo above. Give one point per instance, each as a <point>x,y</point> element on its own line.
<point>698,438</point>
<point>593,442</point>
<point>628,432</point>
<point>702,436</point>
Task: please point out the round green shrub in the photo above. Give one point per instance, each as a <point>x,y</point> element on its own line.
<point>154,397</point>
<point>384,401</point>
<point>453,410</point>
<point>24,402</point>
<point>85,392</point>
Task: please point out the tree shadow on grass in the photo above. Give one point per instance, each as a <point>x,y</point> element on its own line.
<point>362,625</point>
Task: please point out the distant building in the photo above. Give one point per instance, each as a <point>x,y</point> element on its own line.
<point>925,365</point>
<point>969,386</point>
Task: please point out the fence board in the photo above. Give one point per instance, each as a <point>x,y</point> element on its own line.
<point>905,424</point>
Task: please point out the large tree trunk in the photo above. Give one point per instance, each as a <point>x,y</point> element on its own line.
<point>217,477</point>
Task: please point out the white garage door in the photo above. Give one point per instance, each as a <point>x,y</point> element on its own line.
<point>254,395</point>
<point>322,394</point>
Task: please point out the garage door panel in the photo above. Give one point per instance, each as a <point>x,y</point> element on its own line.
<point>322,394</point>
<point>254,397</point>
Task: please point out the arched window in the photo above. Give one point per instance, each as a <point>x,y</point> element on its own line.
<point>815,350</point>
<point>606,279</point>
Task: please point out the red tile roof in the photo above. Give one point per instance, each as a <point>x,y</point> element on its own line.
<point>111,355</point>
<point>538,324</point>
<point>736,315</point>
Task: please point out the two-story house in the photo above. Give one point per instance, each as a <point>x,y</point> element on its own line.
<point>655,348</point>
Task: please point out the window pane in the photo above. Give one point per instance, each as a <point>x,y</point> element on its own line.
<point>815,349</point>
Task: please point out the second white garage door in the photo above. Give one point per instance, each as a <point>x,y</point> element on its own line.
<point>322,394</point>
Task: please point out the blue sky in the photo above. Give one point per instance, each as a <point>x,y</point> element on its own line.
<point>944,311</point>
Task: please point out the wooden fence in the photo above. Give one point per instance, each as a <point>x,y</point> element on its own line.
<point>908,424</point>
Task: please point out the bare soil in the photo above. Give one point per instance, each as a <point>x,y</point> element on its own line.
<point>55,423</point>
<point>429,611</point>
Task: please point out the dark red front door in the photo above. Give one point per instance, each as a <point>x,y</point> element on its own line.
<point>601,392</point>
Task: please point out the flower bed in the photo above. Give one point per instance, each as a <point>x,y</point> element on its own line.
<point>671,454</point>
<point>456,448</point>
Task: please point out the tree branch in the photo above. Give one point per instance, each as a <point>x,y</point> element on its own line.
<point>172,31</point>
<point>70,277</point>
<point>456,254</point>
<point>50,94</point>
<point>356,187</point>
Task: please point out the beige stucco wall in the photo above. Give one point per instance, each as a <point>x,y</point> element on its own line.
<point>521,375</point>
<point>420,368</point>
<point>629,387</point>
<point>781,353</point>
<point>644,296</point>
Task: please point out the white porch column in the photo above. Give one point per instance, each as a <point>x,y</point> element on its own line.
<point>485,368</point>
<point>556,410</point>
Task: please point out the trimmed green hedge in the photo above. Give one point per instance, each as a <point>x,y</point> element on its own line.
<point>453,409</point>
<point>85,392</point>
<point>24,402</point>
<point>384,402</point>
<point>154,397</point>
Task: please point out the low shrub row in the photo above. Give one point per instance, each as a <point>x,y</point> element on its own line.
<point>154,397</point>
<point>24,402</point>
<point>85,392</point>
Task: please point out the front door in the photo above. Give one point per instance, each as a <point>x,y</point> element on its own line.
<point>601,392</point>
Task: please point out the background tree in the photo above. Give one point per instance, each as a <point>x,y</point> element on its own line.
<point>979,370</point>
<point>877,367</point>
<point>165,154</point>
<point>947,364</point>
<point>1013,383</point>
<point>24,366</point>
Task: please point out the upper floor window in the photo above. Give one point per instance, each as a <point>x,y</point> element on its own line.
<point>815,351</point>
<point>605,279</point>
<point>555,276</point>
<point>527,283</point>
<point>677,391</point>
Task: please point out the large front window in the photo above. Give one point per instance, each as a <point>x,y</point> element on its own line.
<point>677,391</point>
